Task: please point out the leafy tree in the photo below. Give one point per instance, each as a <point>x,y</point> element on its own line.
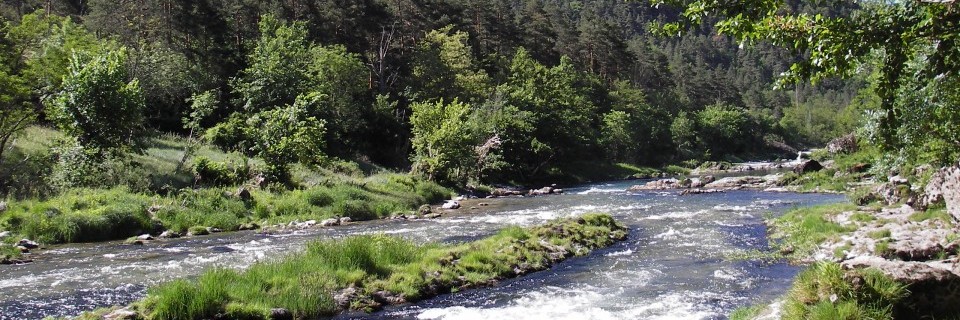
<point>98,105</point>
<point>15,113</point>
<point>616,136</point>
<point>444,67</point>
<point>278,66</point>
<point>724,129</point>
<point>442,140</point>
<point>287,135</point>
<point>47,42</point>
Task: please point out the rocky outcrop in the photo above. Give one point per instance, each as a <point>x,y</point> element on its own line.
<point>709,184</point>
<point>934,287</point>
<point>943,187</point>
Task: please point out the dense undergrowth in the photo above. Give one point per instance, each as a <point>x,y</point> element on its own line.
<point>366,272</point>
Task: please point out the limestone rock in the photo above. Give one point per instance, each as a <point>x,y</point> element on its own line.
<point>431,216</point>
<point>145,237</point>
<point>345,220</point>
<point>26,243</point>
<point>330,222</point>
<point>122,314</point>
<point>844,144</point>
<point>169,234</point>
<point>450,205</point>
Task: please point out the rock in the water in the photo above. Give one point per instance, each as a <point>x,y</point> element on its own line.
<point>145,237</point>
<point>661,184</point>
<point>330,222</point>
<point>387,297</point>
<point>122,314</point>
<point>431,216</point>
<point>844,144</point>
<point>541,191</point>
<point>808,166</point>
<point>558,191</point>
<point>23,249</point>
<point>169,234</point>
<point>699,191</point>
<point>137,242</point>
<point>249,226</point>
<point>280,314</point>
<point>213,230</point>
<point>345,220</point>
<point>26,243</point>
<point>424,209</point>
<point>451,205</point>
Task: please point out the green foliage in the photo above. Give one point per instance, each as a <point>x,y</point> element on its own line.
<point>286,135</point>
<point>442,141</point>
<point>305,283</point>
<point>444,68</point>
<point>278,65</point>
<point>214,173</point>
<point>78,166</point>
<point>81,215</point>
<point>804,229</point>
<point>97,104</point>
<point>823,291</point>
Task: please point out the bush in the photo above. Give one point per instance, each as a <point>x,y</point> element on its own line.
<point>203,207</point>
<point>213,173</point>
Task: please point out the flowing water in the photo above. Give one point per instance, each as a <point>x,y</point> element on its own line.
<point>676,263</point>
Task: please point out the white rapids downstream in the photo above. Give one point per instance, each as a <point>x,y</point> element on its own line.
<point>676,263</point>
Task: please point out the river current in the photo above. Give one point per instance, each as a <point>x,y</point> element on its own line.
<point>678,262</point>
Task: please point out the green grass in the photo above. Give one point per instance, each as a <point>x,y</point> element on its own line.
<point>879,234</point>
<point>862,217</point>
<point>804,229</point>
<point>825,291</point>
<point>933,214</point>
<point>306,283</point>
<point>746,313</point>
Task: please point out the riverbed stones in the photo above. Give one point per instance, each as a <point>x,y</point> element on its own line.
<point>451,205</point>
<point>280,314</point>
<point>144,237</point>
<point>122,314</point>
<point>27,243</point>
<point>330,222</point>
<point>431,216</point>
<point>345,220</point>
<point>169,234</point>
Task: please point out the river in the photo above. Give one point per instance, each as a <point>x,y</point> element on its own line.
<point>676,263</point>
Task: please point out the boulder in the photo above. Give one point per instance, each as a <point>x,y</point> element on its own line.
<point>345,220</point>
<point>144,237</point>
<point>249,226</point>
<point>808,166</point>
<point>169,234</point>
<point>345,297</point>
<point>541,191</point>
<point>23,249</point>
<point>424,209</point>
<point>244,194</point>
<point>451,205</point>
<point>932,286</point>
<point>892,193</point>
<point>944,186</point>
<point>661,184</point>
<point>330,222</point>
<point>26,243</point>
<point>280,314</point>
<point>844,144</point>
<point>557,191</point>
<point>122,314</point>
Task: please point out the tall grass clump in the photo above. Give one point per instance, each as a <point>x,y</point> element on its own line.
<point>803,229</point>
<point>81,215</point>
<point>826,291</point>
<point>369,271</point>
<point>213,207</point>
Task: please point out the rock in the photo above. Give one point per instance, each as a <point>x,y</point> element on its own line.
<point>249,226</point>
<point>169,234</point>
<point>26,243</point>
<point>661,184</point>
<point>280,314</point>
<point>431,216</point>
<point>451,205</point>
<point>483,204</point>
<point>898,180</point>
<point>310,223</point>
<point>699,191</point>
<point>136,242</point>
<point>424,209</point>
<point>859,167</point>
<point>504,192</point>
<point>145,237</point>
<point>844,144</point>
<point>244,194</point>
<point>944,186</point>
<point>345,220</point>
<point>23,249</point>
<point>122,314</point>
<point>557,191</point>
<point>3,206</point>
<point>5,234</point>
<point>541,191</point>
<point>213,230</point>
<point>330,222</point>
<point>808,166</point>
<point>387,297</point>
<point>345,297</point>
<point>931,285</point>
<point>892,193</point>
<point>738,182</point>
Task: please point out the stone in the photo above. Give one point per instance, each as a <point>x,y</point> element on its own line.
<point>451,205</point>
<point>280,314</point>
<point>122,314</point>
<point>944,186</point>
<point>808,166</point>
<point>932,285</point>
<point>387,297</point>
<point>345,220</point>
<point>330,222</point>
<point>249,226</point>
<point>483,204</point>
<point>5,234</point>
<point>213,230</point>
<point>859,167</point>
<point>3,206</point>
<point>307,224</point>
<point>661,184</point>
<point>26,243</point>
<point>23,249</point>
<point>431,216</point>
<point>541,191</point>
<point>169,234</point>
<point>244,194</point>
<point>145,237</point>
<point>557,191</point>
<point>424,209</point>
<point>843,144</point>
<point>345,297</point>
<point>137,242</point>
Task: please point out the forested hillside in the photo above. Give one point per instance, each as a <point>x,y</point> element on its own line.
<point>460,91</point>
